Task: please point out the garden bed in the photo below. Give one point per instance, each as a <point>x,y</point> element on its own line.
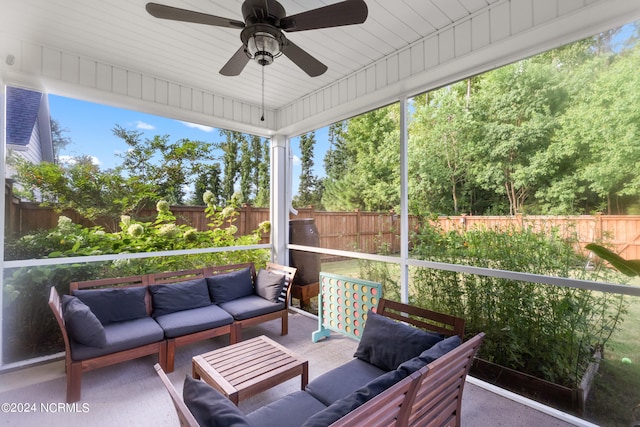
<point>566,399</point>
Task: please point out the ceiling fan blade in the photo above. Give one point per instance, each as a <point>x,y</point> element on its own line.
<point>348,12</point>
<point>236,64</point>
<point>177,14</point>
<point>302,59</point>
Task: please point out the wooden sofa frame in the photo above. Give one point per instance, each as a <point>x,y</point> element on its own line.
<point>430,397</point>
<point>167,347</point>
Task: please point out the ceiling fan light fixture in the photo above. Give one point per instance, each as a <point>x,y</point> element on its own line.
<point>263,47</point>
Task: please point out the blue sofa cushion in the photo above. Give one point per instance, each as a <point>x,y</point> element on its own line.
<point>210,407</point>
<point>82,325</point>
<point>230,286</point>
<point>387,343</point>
<point>343,380</point>
<point>250,306</point>
<point>431,354</point>
<point>194,320</point>
<point>269,285</point>
<point>115,304</point>
<point>121,336</point>
<point>179,296</point>
<point>289,411</point>
<point>347,404</point>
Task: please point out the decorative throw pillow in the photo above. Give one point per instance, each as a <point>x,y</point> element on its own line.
<point>387,343</point>
<point>269,285</point>
<point>209,407</point>
<point>83,326</point>
<point>179,296</point>
<point>115,304</point>
<point>229,286</point>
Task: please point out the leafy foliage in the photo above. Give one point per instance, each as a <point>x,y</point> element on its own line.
<point>543,330</point>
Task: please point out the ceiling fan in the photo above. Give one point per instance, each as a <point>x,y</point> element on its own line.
<point>262,34</point>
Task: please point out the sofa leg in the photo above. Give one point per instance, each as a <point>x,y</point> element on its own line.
<point>285,323</point>
<point>162,356</point>
<point>235,336</point>
<point>74,382</point>
<point>170,356</point>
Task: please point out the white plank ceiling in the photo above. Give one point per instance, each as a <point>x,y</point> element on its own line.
<point>113,51</point>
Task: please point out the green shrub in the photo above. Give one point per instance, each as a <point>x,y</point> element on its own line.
<point>543,330</point>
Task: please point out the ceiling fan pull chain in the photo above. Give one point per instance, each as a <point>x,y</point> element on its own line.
<point>262,118</point>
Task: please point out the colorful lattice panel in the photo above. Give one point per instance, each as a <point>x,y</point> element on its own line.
<point>343,304</point>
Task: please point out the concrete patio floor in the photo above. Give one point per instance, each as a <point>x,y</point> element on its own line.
<point>131,394</point>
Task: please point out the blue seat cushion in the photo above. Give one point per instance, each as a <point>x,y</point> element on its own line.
<point>250,306</point>
<point>348,403</point>
<point>194,320</point>
<point>289,411</point>
<point>230,286</point>
<point>179,296</point>
<point>113,305</point>
<point>343,380</point>
<point>210,407</point>
<point>121,336</point>
<point>387,343</point>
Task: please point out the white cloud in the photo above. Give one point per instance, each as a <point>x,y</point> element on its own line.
<point>71,160</point>
<point>144,126</point>
<point>199,127</point>
<point>296,160</point>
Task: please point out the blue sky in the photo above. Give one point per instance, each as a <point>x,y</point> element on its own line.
<point>90,125</point>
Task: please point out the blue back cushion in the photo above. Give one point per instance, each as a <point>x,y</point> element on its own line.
<point>229,286</point>
<point>115,304</point>
<point>82,325</point>
<point>209,407</point>
<point>179,296</point>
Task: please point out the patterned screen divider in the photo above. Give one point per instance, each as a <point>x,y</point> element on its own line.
<point>343,304</point>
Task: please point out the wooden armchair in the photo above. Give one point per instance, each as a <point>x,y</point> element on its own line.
<point>430,397</point>
<point>184,415</point>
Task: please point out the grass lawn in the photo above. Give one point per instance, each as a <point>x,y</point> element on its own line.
<point>616,389</point>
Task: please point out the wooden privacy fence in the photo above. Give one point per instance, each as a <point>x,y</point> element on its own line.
<point>370,232</point>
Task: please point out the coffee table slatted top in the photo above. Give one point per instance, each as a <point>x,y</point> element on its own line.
<point>249,367</point>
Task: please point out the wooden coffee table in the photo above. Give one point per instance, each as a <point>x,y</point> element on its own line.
<point>249,367</point>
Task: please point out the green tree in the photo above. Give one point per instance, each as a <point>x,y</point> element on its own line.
<point>231,167</point>
<point>309,189</point>
<point>246,172</point>
<point>207,180</point>
<point>58,139</point>
<point>337,156</point>
<point>169,167</point>
<point>263,192</point>
<point>371,178</point>
<point>516,110</point>
<point>603,125</point>
<point>81,185</point>
<point>439,159</point>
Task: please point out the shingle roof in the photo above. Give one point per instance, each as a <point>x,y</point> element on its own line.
<point>22,111</point>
